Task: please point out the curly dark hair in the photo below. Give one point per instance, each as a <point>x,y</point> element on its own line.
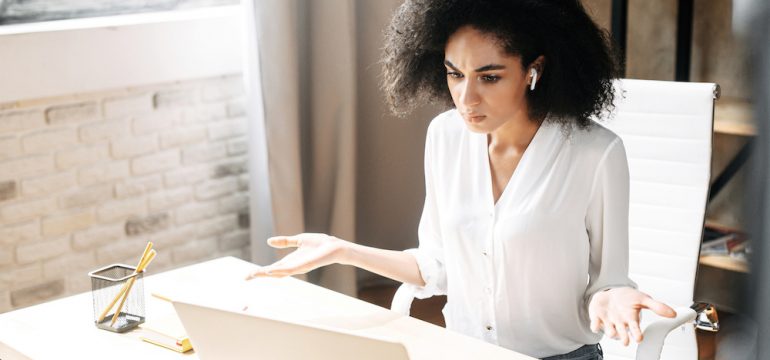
<point>580,59</point>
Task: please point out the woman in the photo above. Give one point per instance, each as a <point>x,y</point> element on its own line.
<point>525,223</point>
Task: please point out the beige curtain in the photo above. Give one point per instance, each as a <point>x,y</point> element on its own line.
<point>301,81</point>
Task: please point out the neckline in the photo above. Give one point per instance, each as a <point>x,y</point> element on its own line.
<point>513,180</point>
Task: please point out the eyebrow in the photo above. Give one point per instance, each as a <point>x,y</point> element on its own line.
<point>481,69</point>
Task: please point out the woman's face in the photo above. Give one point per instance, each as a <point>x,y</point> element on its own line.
<point>487,85</point>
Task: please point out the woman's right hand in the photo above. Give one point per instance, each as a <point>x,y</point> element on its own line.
<point>313,251</point>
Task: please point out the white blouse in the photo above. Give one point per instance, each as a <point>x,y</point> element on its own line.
<point>520,273</point>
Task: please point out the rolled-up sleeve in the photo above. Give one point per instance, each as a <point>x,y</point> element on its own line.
<point>607,223</point>
<point>430,253</point>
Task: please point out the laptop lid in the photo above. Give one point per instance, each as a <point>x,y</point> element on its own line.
<point>224,334</point>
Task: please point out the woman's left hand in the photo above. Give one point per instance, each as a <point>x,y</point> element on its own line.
<point>617,309</point>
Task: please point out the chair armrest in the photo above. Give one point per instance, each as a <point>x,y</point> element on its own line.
<point>655,333</point>
<point>402,300</point>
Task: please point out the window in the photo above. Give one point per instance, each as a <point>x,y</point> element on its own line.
<point>27,11</point>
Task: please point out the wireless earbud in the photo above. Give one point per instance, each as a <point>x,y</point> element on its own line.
<point>533,74</point>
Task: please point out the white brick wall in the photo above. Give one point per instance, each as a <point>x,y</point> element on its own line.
<point>174,138</point>
<point>40,186</point>
<point>24,275</point>
<point>155,122</point>
<point>18,212</point>
<point>216,189</point>
<point>122,209</point>
<point>72,113</point>
<point>96,236</point>
<point>173,197</point>
<point>196,212</point>
<point>102,173</point>
<point>67,223</point>
<point>6,255</point>
<point>29,253</point>
<point>19,233</point>
<point>90,195</point>
<point>44,142</point>
<point>130,147</point>
<point>78,263</point>
<point>5,301</point>
<point>81,155</point>
<point>186,176</point>
<point>227,129</point>
<point>127,105</point>
<point>10,147</point>
<point>204,153</point>
<point>138,186</point>
<point>26,167</point>
<point>86,180</point>
<point>166,160</point>
<point>179,235</point>
<point>103,130</point>
<point>15,121</point>
<point>193,250</point>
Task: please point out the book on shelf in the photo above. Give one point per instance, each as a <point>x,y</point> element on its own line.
<point>721,241</point>
<point>167,332</point>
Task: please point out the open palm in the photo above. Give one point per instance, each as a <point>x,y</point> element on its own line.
<point>616,311</point>
<point>313,251</point>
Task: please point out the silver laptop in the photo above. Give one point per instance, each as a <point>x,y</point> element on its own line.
<point>221,334</point>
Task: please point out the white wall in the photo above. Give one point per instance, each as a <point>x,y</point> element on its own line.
<point>83,55</point>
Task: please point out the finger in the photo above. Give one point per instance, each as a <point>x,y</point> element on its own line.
<point>272,270</point>
<point>286,268</point>
<point>292,268</point>
<point>658,307</point>
<point>609,330</point>
<point>622,332</point>
<point>636,331</point>
<point>280,273</point>
<point>281,242</point>
<point>256,273</point>
<point>596,325</point>
<point>275,273</point>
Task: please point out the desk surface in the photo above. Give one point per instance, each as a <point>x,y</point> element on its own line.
<point>64,329</point>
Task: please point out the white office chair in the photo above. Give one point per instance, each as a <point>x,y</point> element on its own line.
<point>667,129</point>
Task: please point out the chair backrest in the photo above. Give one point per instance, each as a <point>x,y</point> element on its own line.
<point>667,130</point>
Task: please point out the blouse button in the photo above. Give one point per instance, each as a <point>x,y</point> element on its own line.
<point>489,328</point>
<point>484,253</point>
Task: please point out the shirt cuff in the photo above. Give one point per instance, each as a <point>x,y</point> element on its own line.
<point>430,271</point>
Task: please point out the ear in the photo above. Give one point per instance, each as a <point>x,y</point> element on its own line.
<point>538,64</point>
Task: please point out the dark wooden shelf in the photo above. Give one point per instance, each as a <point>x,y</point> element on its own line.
<point>725,263</point>
<point>734,118</point>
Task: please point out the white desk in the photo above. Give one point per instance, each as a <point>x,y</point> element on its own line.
<point>64,329</point>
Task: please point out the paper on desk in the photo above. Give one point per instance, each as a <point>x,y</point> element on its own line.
<point>167,332</point>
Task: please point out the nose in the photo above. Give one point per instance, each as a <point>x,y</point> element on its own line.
<point>469,95</point>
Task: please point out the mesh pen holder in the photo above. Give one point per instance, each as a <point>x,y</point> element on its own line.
<point>106,284</point>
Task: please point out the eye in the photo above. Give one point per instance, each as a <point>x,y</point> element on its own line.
<point>454,74</point>
<point>490,78</point>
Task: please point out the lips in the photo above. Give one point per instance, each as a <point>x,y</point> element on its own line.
<point>474,118</point>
